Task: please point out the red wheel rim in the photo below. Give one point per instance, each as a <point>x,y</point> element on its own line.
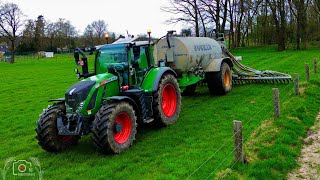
<point>169,100</point>
<point>122,120</point>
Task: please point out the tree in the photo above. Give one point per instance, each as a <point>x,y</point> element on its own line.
<point>278,9</point>
<point>316,4</point>
<point>88,35</point>
<point>213,11</point>
<point>186,32</point>
<point>65,33</point>
<point>27,40</point>
<point>186,11</point>
<point>10,24</point>
<point>299,10</point>
<point>94,32</point>
<point>39,33</point>
<point>51,34</point>
<point>99,28</point>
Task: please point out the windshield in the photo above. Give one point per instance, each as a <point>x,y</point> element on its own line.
<point>110,54</point>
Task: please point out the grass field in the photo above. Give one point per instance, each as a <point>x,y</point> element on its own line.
<point>198,145</point>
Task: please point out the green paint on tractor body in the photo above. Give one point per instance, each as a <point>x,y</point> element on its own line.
<point>148,82</point>
<point>106,85</point>
<point>189,79</point>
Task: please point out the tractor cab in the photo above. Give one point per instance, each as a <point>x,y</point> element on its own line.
<point>129,61</point>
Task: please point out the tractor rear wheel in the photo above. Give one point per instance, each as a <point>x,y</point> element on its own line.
<point>220,83</point>
<point>47,131</point>
<point>114,127</point>
<point>189,90</point>
<point>167,101</point>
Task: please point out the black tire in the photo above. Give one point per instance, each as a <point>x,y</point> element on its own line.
<point>167,116</point>
<point>220,83</point>
<point>189,90</point>
<point>105,127</point>
<point>47,131</point>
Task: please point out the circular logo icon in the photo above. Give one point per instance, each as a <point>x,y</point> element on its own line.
<point>22,168</point>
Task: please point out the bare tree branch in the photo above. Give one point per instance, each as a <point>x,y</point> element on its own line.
<point>10,24</point>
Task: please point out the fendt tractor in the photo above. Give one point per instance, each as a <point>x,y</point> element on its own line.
<point>137,82</point>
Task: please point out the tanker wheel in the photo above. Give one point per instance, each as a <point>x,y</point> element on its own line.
<point>47,131</point>
<point>189,90</point>
<point>114,127</point>
<point>220,83</point>
<point>167,101</point>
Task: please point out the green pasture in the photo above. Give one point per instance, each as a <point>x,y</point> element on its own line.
<point>198,146</point>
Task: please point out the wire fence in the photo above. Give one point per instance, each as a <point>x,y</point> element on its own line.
<point>265,116</point>
<point>32,56</point>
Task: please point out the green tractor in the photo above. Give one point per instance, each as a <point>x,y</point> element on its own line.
<point>125,89</point>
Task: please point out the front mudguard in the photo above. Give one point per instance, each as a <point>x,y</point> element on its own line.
<point>152,79</point>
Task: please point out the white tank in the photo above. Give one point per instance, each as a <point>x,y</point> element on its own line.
<point>187,53</point>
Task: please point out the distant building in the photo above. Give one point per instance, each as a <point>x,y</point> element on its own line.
<point>3,49</point>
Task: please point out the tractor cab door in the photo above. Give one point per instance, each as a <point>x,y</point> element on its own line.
<point>139,63</point>
<point>114,59</point>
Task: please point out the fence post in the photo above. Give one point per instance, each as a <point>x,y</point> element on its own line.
<point>315,65</point>
<point>307,72</point>
<point>276,102</point>
<point>237,130</point>
<point>296,83</point>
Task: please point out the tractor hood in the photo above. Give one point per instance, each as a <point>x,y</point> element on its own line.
<point>78,93</point>
<point>86,94</point>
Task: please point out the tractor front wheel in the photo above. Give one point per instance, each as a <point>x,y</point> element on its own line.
<point>167,101</point>
<point>114,127</point>
<point>47,131</point>
<point>220,83</point>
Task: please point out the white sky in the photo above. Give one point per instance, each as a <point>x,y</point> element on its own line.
<point>136,16</point>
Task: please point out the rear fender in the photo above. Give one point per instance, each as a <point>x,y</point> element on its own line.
<point>215,64</point>
<point>152,79</point>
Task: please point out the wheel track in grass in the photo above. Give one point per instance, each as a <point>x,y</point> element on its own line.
<point>309,160</point>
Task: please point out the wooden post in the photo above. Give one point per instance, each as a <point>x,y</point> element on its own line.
<point>307,72</point>
<point>315,65</point>
<point>276,102</point>
<point>296,83</point>
<point>237,130</point>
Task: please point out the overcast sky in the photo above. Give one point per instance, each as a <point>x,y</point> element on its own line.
<point>136,16</point>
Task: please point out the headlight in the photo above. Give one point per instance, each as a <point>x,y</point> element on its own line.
<point>68,108</point>
<point>80,107</point>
